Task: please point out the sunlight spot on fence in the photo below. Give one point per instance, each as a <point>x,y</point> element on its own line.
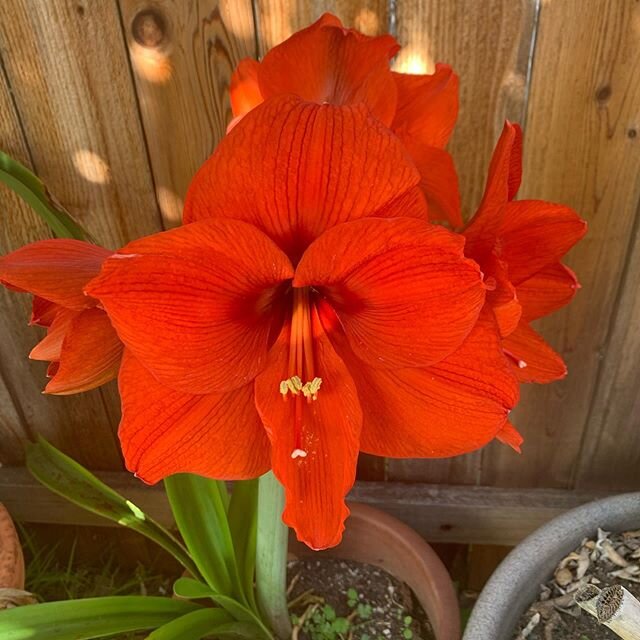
<point>152,65</point>
<point>411,61</point>
<point>368,22</point>
<point>91,167</point>
<point>171,206</point>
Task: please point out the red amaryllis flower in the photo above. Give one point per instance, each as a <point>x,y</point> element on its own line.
<point>518,245</point>
<point>81,344</point>
<point>307,311</point>
<point>327,63</point>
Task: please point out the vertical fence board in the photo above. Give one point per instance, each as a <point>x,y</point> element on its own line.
<point>182,56</point>
<point>610,454</point>
<point>488,44</point>
<point>584,99</point>
<point>278,19</point>
<point>80,424</point>
<point>67,67</point>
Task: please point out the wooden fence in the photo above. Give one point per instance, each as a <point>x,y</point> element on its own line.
<point>115,103</point>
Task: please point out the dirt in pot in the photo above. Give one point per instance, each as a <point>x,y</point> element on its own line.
<point>605,560</point>
<point>342,600</point>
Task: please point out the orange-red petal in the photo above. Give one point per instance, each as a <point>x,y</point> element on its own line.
<point>439,182</point>
<point>535,234</point>
<point>401,288</point>
<point>427,107</point>
<point>453,407</point>
<point>90,354</point>
<point>50,347</point>
<point>244,90</point>
<point>510,436</point>
<point>56,270</point>
<point>164,431</point>
<point>502,295</point>
<point>294,169</point>
<point>505,174</point>
<point>533,360</point>
<point>547,291</point>
<point>194,304</point>
<point>325,63</point>
<point>315,485</point>
<point>43,312</point>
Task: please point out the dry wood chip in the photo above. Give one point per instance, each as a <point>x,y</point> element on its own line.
<point>612,554</point>
<point>564,577</point>
<point>583,563</point>
<point>531,625</point>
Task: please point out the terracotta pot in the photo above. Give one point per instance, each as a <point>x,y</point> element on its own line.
<point>374,537</point>
<point>11,559</point>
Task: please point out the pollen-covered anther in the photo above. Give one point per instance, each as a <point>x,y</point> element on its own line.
<point>522,364</point>
<point>298,453</point>
<point>292,385</point>
<point>310,389</point>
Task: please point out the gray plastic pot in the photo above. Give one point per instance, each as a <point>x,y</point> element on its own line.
<point>516,582</point>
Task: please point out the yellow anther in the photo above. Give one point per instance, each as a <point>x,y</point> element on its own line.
<point>293,385</point>
<point>310,389</point>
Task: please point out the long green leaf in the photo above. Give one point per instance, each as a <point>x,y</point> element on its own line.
<point>236,631</point>
<point>243,522</point>
<point>195,590</point>
<point>192,626</point>
<point>33,191</point>
<point>71,480</point>
<point>199,509</point>
<point>90,618</point>
<point>271,558</point>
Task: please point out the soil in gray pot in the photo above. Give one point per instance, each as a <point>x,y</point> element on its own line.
<point>337,599</point>
<point>605,560</point>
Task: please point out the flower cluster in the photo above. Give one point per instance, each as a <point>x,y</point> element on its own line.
<point>312,305</point>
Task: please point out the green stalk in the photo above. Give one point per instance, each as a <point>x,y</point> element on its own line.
<point>271,556</point>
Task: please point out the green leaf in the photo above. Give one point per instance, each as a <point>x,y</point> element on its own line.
<point>33,191</point>
<point>237,631</point>
<point>90,618</point>
<point>195,590</point>
<point>71,480</point>
<point>271,556</point>
<point>199,509</point>
<point>191,626</point>
<point>243,523</point>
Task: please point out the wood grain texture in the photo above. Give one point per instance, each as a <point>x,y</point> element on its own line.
<point>278,19</point>
<point>80,425</point>
<point>488,44</point>
<point>76,124</point>
<point>610,454</point>
<point>182,55</point>
<point>584,102</point>
<point>479,515</point>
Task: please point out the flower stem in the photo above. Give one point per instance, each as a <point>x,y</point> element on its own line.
<point>271,558</point>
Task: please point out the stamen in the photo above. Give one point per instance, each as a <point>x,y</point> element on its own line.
<point>301,366</point>
<point>521,364</point>
<point>293,385</point>
<point>310,389</point>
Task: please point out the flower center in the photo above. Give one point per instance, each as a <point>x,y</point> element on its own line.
<point>301,366</point>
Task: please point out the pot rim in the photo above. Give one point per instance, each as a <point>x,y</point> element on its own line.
<point>12,570</point>
<point>515,583</point>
